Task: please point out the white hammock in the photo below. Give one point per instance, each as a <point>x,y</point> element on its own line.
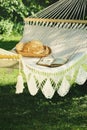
<point>11,60</point>
<point>67,38</point>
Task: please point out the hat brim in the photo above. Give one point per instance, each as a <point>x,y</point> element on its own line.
<point>46,51</point>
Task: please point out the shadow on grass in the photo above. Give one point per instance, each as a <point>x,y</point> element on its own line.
<point>8,45</point>
<point>26,112</point>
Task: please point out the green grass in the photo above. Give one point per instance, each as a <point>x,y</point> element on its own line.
<point>26,112</point>
<point>8,42</point>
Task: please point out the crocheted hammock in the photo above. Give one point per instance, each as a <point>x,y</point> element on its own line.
<point>63,28</point>
<point>11,60</point>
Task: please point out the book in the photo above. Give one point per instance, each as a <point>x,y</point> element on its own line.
<point>52,62</point>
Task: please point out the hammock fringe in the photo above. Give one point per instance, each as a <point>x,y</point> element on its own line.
<point>20,84</point>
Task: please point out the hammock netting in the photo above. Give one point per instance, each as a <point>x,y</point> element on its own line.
<point>63,27</point>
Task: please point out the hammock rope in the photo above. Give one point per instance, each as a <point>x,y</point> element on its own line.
<point>65,9</point>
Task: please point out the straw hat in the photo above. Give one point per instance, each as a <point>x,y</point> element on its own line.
<point>33,48</point>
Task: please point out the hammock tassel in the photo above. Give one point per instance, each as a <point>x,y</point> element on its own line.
<point>20,83</point>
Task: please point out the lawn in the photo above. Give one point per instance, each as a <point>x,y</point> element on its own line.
<point>25,112</point>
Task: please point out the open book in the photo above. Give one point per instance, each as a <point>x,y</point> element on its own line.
<point>51,61</point>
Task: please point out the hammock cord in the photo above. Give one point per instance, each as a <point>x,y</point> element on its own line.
<point>58,10</point>
<point>84,11</point>
<point>45,11</point>
<point>74,11</point>
<point>81,10</point>
<point>65,9</point>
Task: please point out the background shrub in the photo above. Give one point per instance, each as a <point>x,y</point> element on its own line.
<point>6,27</point>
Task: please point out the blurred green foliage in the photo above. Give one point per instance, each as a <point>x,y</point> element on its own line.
<point>6,27</point>
<point>14,10</point>
<point>12,13</point>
